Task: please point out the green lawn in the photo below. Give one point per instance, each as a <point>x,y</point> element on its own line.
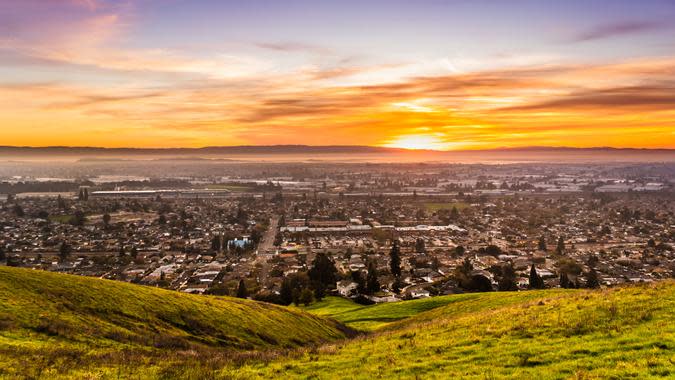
<point>435,206</point>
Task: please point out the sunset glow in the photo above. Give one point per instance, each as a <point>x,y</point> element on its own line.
<point>188,74</point>
<point>417,142</point>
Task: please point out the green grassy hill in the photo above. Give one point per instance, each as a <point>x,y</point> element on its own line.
<point>58,326</point>
<point>65,322</point>
<point>552,334</point>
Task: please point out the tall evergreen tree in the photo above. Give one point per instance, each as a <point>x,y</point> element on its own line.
<point>507,280</point>
<point>372,283</point>
<point>395,259</point>
<point>542,243</point>
<point>286,291</point>
<point>592,279</point>
<point>241,290</point>
<point>565,281</point>
<point>560,248</point>
<point>323,274</point>
<point>64,251</point>
<point>536,282</point>
<point>420,247</point>
<point>361,287</point>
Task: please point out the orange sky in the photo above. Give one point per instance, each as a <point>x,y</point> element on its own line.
<point>82,83</point>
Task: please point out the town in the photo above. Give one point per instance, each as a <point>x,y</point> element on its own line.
<point>292,233</point>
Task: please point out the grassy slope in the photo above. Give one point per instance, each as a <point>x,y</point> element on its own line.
<point>552,334</point>
<point>54,317</point>
<point>374,317</point>
<point>617,333</point>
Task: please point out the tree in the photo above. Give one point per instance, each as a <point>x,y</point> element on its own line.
<point>134,252</point>
<point>322,274</point>
<point>395,259</point>
<point>396,285</point>
<point>420,247</point>
<point>480,283</point>
<point>3,255</point>
<point>306,297</point>
<point>286,292</point>
<point>241,290</point>
<point>18,211</point>
<point>454,214</point>
<point>560,248</point>
<point>542,243</point>
<point>106,219</point>
<point>462,274</point>
<point>360,281</point>
<point>292,286</point>
<point>64,251</point>
<point>565,282</point>
<point>507,280</point>
<point>536,282</point>
<point>493,250</point>
<point>78,218</point>
<point>592,280</point>
<point>215,243</point>
<point>372,283</point>
<point>459,250</point>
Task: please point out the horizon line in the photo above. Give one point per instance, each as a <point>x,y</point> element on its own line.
<point>384,148</point>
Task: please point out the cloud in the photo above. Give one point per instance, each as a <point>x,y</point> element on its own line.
<point>292,47</point>
<point>645,98</point>
<point>620,29</point>
<point>565,104</point>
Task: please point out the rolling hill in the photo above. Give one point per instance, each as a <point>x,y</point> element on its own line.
<point>626,332</point>
<point>60,323</point>
<point>61,326</point>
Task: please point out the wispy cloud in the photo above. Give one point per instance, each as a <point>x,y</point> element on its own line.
<point>619,29</point>
<point>294,47</point>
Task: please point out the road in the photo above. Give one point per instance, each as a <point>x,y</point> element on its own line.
<point>266,246</point>
<point>267,243</point>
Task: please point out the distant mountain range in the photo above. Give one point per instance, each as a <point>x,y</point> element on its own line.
<point>294,149</point>
<point>342,152</point>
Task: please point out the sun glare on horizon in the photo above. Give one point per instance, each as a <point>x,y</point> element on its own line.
<point>417,142</point>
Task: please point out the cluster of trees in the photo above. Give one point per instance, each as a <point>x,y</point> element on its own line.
<point>560,246</point>
<point>303,288</point>
<point>83,194</point>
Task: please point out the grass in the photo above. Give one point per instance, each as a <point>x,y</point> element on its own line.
<point>436,206</point>
<point>57,317</point>
<point>618,333</point>
<point>60,218</point>
<point>610,334</point>
<point>374,317</point>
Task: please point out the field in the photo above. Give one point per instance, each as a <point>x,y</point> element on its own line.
<point>64,326</point>
<point>60,218</point>
<point>435,206</point>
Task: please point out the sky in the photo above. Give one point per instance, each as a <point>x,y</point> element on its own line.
<point>426,74</point>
